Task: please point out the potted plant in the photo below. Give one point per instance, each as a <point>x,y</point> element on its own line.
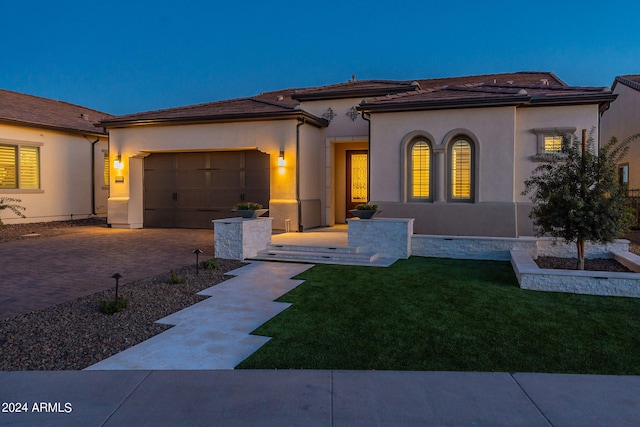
<point>249,209</point>
<point>365,211</point>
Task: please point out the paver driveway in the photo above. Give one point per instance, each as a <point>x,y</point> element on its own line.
<point>45,271</point>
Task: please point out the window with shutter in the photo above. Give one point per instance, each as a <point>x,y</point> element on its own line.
<point>461,170</point>
<point>8,167</point>
<point>29,167</point>
<point>19,167</point>
<point>420,173</point>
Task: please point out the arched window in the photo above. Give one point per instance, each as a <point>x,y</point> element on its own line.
<point>461,170</point>
<point>419,170</point>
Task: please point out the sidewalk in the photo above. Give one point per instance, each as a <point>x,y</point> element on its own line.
<point>318,398</point>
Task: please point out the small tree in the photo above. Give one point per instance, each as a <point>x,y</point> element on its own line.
<point>12,205</point>
<point>576,194</point>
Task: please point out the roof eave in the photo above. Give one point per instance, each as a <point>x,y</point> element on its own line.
<point>600,98</point>
<point>55,128</point>
<point>444,104</point>
<point>219,118</point>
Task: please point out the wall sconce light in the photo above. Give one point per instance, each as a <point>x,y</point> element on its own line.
<point>281,161</point>
<point>117,163</point>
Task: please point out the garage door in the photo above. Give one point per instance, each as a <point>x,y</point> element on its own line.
<point>188,190</point>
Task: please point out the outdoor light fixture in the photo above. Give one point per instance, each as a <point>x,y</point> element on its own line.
<point>281,161</point>
<point>117,163</point>
<point>197,252</point>
<point>117,276</point>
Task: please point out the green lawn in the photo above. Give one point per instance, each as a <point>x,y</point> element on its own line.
<point>443,314</point>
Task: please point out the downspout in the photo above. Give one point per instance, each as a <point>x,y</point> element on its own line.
<point>93,176</point>
<point>301,121</point>
<point>367,117</point>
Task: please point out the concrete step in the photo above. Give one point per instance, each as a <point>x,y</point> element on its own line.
<point>309,248</point>
<point>321,255</point>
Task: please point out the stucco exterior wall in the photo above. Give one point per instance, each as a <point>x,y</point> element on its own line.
<point>312,172</point>
<point>342,132</point>
<point>622,120</point>
<point>576,116</point>
<point>125,203</point>
<point>341,125</point>
<point>491,129</point>
<point>65,175</point>
<point>505,146</point>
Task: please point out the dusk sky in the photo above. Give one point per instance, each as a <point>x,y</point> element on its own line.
<point>123,57</point>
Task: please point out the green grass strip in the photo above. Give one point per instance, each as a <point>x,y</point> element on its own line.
<point>446,315</point>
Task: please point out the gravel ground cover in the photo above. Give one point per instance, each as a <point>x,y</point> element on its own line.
<point>76,334</point>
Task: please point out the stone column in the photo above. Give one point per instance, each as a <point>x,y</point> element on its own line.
<point>240,238</point>
<point>389,237</point>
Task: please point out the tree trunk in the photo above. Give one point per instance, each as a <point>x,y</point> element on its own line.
<point>580,247</point>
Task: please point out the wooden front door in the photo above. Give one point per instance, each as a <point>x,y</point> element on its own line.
<point>357,179</point>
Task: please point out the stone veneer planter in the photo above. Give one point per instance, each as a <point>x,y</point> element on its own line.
<point>389,237</point>
<point>240,238</point>
<point>498,248</point>
<point>606,283</point>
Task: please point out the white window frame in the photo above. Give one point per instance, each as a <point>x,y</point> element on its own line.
<point>17,145</point>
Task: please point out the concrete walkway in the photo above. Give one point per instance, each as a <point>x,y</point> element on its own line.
<point>214,333</point>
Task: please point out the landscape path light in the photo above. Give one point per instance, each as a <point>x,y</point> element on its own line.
<point>197,252</point>
<point>117,276</point>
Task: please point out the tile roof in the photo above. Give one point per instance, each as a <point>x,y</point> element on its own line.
<point>19,108</point>
<point>631,80</point>
<point>521,77</point>
<point>254,108</point>
<point>450,92</point>
<point>532,90</point>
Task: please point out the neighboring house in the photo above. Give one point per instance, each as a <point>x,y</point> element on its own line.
<point>53,158</point>
<point>453,153</point>
<point>622,120</point>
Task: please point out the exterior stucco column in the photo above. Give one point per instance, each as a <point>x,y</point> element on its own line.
<point>440,177</point>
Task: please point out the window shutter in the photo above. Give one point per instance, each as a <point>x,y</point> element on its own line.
<point>421,160</point>
<point>461,170</point>
<point>29,167</point>
<point>8,167</point>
